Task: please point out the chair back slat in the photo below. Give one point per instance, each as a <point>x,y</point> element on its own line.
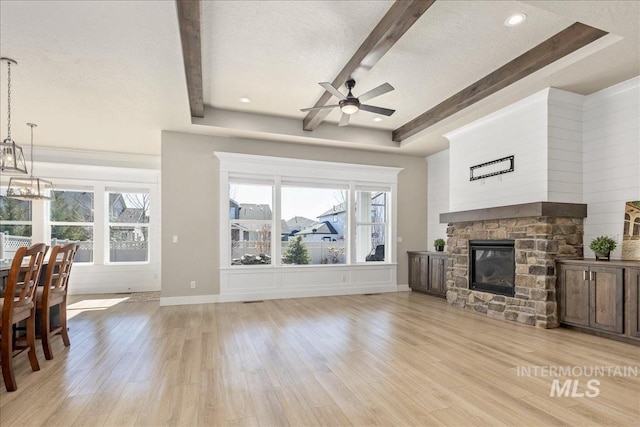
<point>59,268</point>
<point>23,276</point>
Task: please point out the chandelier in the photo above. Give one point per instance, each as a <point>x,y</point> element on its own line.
<point>30,188</point>
<point>11,156</point>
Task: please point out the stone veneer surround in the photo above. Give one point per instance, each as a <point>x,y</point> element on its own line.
<point>539,242</point>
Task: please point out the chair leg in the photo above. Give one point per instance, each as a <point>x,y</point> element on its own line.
<point>6,350</point>
<point>31,340</point>
<point>45,332</point>
<point>63,323</point>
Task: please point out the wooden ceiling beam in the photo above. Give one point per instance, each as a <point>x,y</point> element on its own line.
<point>400,17</point>
<point>189,23</point>
<point>563,43</point>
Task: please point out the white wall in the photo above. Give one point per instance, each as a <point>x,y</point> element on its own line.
<point>564,147</point>
<point>190,195</point>
<point>438,193</point>
<point>611,159</point>
<point>519,130</point>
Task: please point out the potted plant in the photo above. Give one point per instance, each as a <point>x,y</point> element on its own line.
<point>439,244</point>
<point>602,247</point>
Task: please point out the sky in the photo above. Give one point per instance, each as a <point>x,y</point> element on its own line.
<point>296,201</point>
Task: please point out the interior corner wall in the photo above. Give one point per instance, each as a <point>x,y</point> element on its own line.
<point>190,195</point>
<point>437,194</point>
<point>611,159</point>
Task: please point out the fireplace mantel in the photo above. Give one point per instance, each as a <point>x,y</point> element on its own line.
<point>524,210</point>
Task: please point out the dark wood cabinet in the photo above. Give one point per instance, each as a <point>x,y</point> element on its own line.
<point>600,296</point>
<point>427,272</point>
<point>632,281</point>
<point>574,295</point>
<point>606,305</point>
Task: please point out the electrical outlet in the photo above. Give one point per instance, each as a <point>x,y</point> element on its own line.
<point>193,284</point>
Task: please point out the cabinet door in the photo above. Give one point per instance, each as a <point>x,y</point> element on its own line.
<point>418,270</point>
<point>437,282</point>
<point>633,301</point>
<point>424,273</point>
<point>606,299</point>
<point>574,295</point>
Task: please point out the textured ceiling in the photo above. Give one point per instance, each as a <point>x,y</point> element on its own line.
<point>108,75</point>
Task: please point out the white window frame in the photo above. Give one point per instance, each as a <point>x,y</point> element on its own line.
<point>280,281</point>
<point>51,224</point>
<point>109,224</point>
<point>16,222</point>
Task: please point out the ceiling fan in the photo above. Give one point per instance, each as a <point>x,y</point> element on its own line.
<point>350,104</point>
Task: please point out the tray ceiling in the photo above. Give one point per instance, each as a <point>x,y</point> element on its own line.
<point>109,76</point>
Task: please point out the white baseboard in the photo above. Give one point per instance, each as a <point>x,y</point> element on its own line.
<point>196,299</point>
<point>208,299</point>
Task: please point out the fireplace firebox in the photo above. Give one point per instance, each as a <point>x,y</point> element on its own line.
<point>492,266</point>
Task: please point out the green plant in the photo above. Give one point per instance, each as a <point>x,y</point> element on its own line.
<point>296,253</point>
<point>438,242</point>
<point>602,244</point>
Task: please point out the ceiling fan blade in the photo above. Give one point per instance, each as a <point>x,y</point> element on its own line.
<point>319,108</point>
<point>332,90</point>
<point>344,120</point>
<point>377,110</point>
<point>380,90</point>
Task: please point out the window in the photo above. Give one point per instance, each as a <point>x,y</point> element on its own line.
<point>288,212</point>
<point>15,225</point>
<point>128,226</point>
<point>71,215</point>
<point>371,225</point>
<point>315,224</point>
<point>627,224</point>
<point>250,219</point>
<point>636,227</point>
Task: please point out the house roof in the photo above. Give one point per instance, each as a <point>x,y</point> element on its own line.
<point>126,57</point>
<point>299,223</point>
<point>254,211</point>
<point>334,210</point>
<point>319,228</point>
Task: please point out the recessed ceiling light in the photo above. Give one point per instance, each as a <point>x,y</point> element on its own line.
<point>377,119</point>
<point>244,100</point>
<point>515,19</point>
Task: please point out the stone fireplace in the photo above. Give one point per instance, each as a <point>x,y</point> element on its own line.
<point>540,232</point>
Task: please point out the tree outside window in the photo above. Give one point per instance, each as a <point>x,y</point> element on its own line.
<point>71,215</point>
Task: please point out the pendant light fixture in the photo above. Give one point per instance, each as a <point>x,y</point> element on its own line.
<point>30,188</point>
<point>11,156</point>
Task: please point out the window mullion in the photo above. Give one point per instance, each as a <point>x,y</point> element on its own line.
<point>276,239</point>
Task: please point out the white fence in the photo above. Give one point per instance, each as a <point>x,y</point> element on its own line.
<point>118,251</point>
<point>320,252</point>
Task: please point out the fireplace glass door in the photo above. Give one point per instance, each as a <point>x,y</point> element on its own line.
<point>492,266</point>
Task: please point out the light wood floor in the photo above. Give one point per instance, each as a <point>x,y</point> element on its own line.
<point>389,359</point>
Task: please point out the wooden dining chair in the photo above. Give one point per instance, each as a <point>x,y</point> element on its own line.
<point>18,304</point>
<point>53,292</point>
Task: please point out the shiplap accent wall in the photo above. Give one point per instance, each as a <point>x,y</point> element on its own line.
<point>519,130</point>
<point>588,151</point>
<point>564,146</point>
<point>611,159</point>
<point>438,193</point>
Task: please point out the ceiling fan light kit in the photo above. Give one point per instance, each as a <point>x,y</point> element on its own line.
<point>349,104</point>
